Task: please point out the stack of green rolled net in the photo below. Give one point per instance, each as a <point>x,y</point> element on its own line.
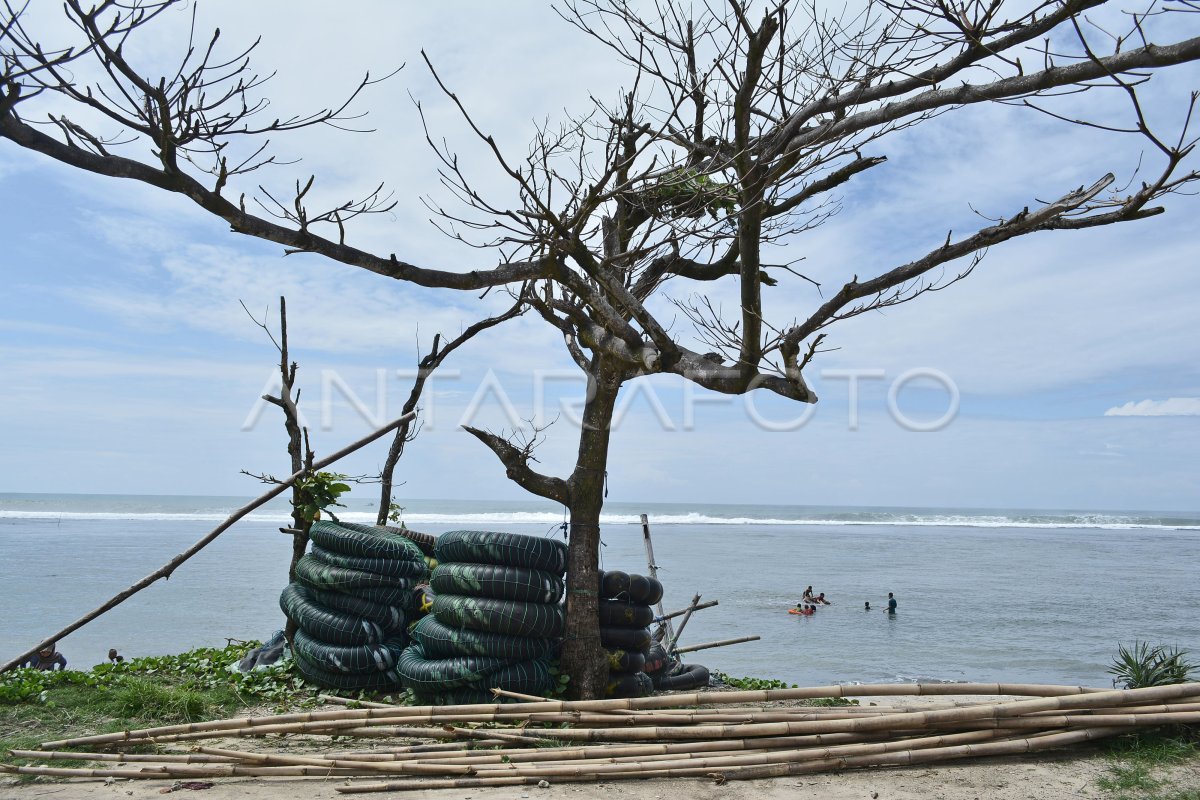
<point>351,602</point>
<point>495,622</point>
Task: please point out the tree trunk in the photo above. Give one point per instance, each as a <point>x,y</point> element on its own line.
<point>582,656</point>
<point>296,454</point>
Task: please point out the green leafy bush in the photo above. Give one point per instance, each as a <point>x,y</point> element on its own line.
<point>1141,665</point>
<point>319,491</point>
<point>206,669</point>
<point>751,684</point>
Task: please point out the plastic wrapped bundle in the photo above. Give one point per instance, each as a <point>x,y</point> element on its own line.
<point>352,600</point>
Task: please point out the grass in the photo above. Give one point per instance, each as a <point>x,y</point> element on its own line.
<point>1138,763</point>
<point>164,690</point>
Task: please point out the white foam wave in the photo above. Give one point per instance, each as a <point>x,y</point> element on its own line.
<point>1100,522</point>
<point>138,516</point>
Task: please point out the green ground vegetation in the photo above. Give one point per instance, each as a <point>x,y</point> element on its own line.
<point>1140,665</point>
<point>758,684</point>
<point>198,685</point>
<point>1154,766</point>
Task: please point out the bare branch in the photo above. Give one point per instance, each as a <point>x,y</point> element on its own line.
<point>516,457</point>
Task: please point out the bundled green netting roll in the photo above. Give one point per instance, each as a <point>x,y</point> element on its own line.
<point>391,567</point>
<point>390,618</point>
<point>335,627</point>
<point>326,576</point>
<point>423,541</point>
<point>370,681</point>
<point>527,677</point>
<point>349,660</point>
<point>629,684</point>
<point>363,541</point>
<point>619,614</point>
<point>442,641</point>
<point>511,549</point>
<point>625,638</point>
<point>626,660</point>
<point>509,617</point>
<point>401,596</point>
<point>498,581</point>
<point>419,672</point>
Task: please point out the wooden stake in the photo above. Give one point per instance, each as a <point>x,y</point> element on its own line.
<point>674,639</point>
<point>652,568</point>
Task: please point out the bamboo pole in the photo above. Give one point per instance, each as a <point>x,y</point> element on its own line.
<point>417,750</point>
<point>166,570</point>
<point>773,770</point>
<point>1096,721</point>
<point>652,568</point>
<point>651,749</point>
<point>288,760</point>
<point>723,643</point>
<point>910,757</point>
<point>333,728</point>
<point>751,758</point>
<point>606,765</point>
<point>787,726</point>
<point>737,751</point>
<point>384,716</point>
<point>674,640</point>
<point>211,771</point>
<point>682,611</point>
<point>346,701</point>
<point>903,720</point>
<point>75,755</point>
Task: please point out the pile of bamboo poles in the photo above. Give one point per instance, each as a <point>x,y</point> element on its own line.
<point>721,735</point>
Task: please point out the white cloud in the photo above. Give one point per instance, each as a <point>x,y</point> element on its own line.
<point>1171,407</point>
<point>153,357</point>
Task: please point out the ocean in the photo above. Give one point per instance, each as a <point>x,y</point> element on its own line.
<point>984,595</point>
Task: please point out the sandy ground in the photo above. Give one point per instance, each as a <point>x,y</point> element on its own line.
<point>1065,775</point>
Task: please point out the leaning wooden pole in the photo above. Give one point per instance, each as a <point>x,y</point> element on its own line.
<point>166,570</point>
<point>674,640</point>
<point>723,643</point>
<point>652,568</point>
<point>682,611</point>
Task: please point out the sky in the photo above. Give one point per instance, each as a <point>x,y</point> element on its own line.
<point>1062,374</point>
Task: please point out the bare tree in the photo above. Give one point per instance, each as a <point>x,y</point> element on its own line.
<point>300,454</point>
<point>438,353</point>
<point>739,123</point>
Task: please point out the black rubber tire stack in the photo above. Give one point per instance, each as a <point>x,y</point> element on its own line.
<point>667,673</point>
<point>352,601</point>
<point>625,615</point>
<point>496,618</point>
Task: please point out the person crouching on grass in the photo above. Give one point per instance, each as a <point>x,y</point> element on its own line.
<point>46,659</point>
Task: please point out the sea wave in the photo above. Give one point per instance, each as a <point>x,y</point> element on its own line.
<point>855,519</point>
